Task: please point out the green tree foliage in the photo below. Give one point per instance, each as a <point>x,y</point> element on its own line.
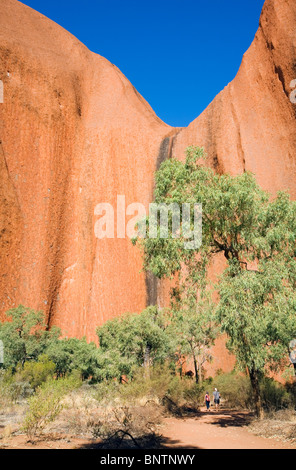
<point>31,349</point>
<point>133,340</point>
<point>35,373</point>
<point>257,310</point>
<point>240,220</point>
<point>194,329</point>
<point>24,336</point>
<point>70,354</point>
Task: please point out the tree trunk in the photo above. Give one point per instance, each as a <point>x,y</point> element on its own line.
<point>196,369</point>
<point>254,377</point>
<point>147,361</point>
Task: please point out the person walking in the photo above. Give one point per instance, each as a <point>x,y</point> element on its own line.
<point>216,397</point>
<point>208,401</point>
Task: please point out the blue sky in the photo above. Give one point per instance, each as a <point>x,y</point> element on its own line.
<point>179,54</point>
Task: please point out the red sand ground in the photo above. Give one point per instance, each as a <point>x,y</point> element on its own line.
<point>217,430</point>
<point>210,430</point>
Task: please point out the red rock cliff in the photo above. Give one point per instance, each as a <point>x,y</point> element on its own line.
<point>74,133</point>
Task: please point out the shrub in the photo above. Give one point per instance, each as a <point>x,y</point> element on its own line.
<point>162,387</point>
<point>291,389</point>
<point>20,390</point>
<point>37,372</point>
<point>106,392</point>
<point>13,388</point>
<point>140,387</point>
<point>46,404</point>
<point>274,395</point>
<point>234,388</point>
<point>194,395</point>
<point>131,426</point>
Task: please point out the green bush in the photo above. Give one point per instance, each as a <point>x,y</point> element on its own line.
<point>291,389</point>
<point>35,373</point>
<point>275,396</point>
<point>194,395</point>
<point>13,388</point>
<point>25,336</point>
<point>106,392</point>
<point>19,390</point>
<point>74,354</point>
<point>161,386</point>
<point>139,387</point>
<point>235,389</point>
<point>46,404</point>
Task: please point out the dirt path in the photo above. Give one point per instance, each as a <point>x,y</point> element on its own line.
<point>224,429</point>
<point>216,430</point>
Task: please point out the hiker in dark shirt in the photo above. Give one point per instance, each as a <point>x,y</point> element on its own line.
<point>216,397</point>
<point>208,400</point>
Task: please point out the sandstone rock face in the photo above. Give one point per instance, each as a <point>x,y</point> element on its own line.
<point>75,133</point>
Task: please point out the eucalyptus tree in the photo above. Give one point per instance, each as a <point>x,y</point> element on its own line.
<point>24,335</point>
<point>255,233</point>
<point>133,341</point>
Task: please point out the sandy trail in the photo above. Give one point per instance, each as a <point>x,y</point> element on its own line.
<point>224,429</point>
<point>216,430</point>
